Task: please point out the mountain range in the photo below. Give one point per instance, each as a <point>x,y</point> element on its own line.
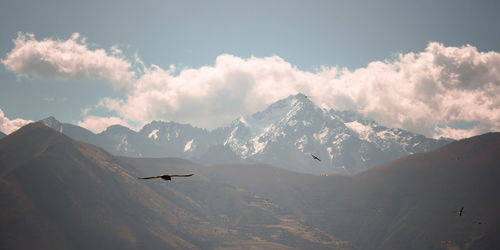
<point>64,194</point>
<point>285,135</point>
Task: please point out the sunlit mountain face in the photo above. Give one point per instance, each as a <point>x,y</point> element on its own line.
<point>285,135</point>
<point>62,193</point>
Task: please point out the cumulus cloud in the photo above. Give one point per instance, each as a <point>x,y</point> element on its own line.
<point>98,124</point>
<point>69,59</point>
<point>450,132</point>
<point>415,91</point>
<point>440,85</point>
<point>212,95</point>
<point>8,126</point>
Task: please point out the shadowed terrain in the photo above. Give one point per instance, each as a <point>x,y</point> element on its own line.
<point>64,194</point>
<point>61,193</point>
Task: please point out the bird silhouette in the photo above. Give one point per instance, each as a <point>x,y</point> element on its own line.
<point>315,157</point>
<point>167,177</point>
<point>460,212</point>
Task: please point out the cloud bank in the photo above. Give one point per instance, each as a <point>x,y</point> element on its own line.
<point>8,126</point>
<point>98,124</point>
<point>70,59</point>
<point>414,91</point>
<point>427,92</point>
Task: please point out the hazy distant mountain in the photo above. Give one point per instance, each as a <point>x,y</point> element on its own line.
<point>284,135</point>
<point>80,134</point>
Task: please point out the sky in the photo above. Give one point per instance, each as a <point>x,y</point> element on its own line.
<point>430,67</point>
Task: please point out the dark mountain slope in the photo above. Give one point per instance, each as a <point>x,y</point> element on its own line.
<point>60,193</point>
<point>64,194</point>
<point>411,203</point>
<point>227,198</point>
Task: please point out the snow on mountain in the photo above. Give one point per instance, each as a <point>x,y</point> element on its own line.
<point>285,134</point>
<point>154,134</point>
<point>290,130</point>
<point>53,123</point>
<point>175,139</point>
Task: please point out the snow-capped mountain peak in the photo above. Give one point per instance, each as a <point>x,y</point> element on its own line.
<point>282,111</point>
<point>52,122</point>
<point>294,128</point>
<point>285,135</point>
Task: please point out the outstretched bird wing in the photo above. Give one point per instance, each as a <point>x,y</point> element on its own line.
<point>180,175</point>
<point>315,157</point>
<point>152,177</point>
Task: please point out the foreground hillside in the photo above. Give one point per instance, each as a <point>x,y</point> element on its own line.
<point>64,194</point>
<point>57,193</point>
<point>410,203</point>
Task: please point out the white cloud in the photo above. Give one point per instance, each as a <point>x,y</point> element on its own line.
<point>70,59</point>
<point>213,95</point>
<point>414,91</point>
<point>8,126</point>
<point>98,124</point>
<point>454,133</point>
<point>441,85</point>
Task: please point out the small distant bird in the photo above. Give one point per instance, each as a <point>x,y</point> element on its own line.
<point>460,212</point>
<point>315,157</point>
<point>167,177</point>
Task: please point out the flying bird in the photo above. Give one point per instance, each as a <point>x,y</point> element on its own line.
<point>315,157</point>
<point>167,177</point>
<point>459,212</point>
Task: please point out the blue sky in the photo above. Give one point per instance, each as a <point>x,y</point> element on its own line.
<point>323,48</point>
